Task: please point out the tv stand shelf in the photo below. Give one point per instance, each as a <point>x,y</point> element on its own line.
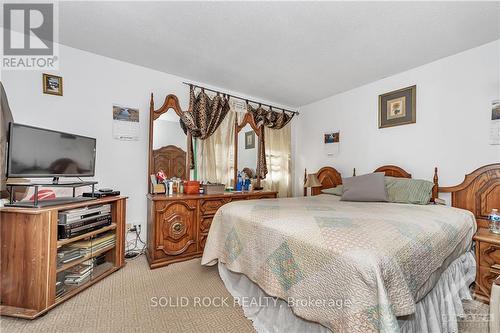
<point>29,256</point>
<point>43,203</point>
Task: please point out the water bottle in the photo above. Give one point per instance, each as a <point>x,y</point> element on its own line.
<point>239,182</point>
<point>494,221</point>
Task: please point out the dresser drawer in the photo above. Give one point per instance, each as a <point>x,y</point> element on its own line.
<point>263,196</point>
<point>175,225</point>
<point>486,277</point>
<point>489,254</point>
<point>210,206</point>
<point>205,223</point>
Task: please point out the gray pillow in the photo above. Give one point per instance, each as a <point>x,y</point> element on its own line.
<point>370,187</point>
<point>337,190</point>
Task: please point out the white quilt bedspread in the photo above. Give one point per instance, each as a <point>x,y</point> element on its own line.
<point>352,267</point>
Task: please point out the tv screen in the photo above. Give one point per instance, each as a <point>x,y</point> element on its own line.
<point>37,152</point>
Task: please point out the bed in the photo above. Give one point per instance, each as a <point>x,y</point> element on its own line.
<point>318,264</point>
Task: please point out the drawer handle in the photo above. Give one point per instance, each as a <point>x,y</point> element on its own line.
<point>177,227</point>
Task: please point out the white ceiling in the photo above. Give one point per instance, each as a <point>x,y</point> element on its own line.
<point>289,53</point>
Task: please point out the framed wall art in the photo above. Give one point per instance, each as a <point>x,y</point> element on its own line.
<point>52,84</point>
<point>397,107</point>
<point>249,140</point>
<point>333,137</point>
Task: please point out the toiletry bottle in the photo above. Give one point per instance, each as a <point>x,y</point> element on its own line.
<point>239,182</point>
<point>494,221</point>
<point>170,187</point>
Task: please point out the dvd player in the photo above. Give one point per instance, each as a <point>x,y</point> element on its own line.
<point>80,228</point>
<point>100,194</point>
<point>83,214</point>
<point>79,221</point>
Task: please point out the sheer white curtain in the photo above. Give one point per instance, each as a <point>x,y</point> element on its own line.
<point>278,159</point>
<point>215,155</point>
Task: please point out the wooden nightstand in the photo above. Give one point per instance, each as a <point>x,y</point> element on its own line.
<point>488,262</point>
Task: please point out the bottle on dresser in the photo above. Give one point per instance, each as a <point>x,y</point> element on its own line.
<point>239,182</point>
<point>494,221</point>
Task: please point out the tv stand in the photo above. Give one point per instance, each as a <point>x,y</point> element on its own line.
<point>29,261</point>
<point>44,203</point>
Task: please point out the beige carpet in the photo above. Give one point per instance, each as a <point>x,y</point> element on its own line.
<point>123,303</point>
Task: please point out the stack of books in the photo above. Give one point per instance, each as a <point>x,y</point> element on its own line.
<point>78,274</point>
<point>68,254</point>
<point>95,244</point>
<point>60,288</point>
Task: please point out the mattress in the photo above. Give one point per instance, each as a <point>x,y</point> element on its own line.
<point>349,266</point>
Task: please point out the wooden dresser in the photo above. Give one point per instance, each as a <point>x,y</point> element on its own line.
<point>178,225</point>
<point>488,262</point>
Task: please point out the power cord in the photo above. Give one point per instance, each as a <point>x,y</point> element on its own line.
<point>134,248</point>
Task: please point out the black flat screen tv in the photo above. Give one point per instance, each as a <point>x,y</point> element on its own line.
<point>37,153</point>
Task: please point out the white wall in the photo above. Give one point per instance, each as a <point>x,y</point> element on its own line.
<point>92,84</point>
<point>454,96</point>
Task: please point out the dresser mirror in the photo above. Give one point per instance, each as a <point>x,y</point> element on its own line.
<point>246,149</point>
<point>168,144</point>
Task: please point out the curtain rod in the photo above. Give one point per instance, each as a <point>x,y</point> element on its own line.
<point>241,98</point>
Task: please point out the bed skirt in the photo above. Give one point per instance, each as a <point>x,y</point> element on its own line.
<point>436,312</point>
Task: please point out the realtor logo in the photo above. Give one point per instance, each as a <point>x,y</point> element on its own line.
<point>28,36</point>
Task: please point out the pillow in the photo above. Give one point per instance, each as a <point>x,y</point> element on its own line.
<point>409,191</point>
<point>337,190</point>
<point>370,187</point>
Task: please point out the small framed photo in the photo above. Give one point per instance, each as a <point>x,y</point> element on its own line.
<point>249,140</point>
<point>397,107</point>
<point>52,84</point>
<point>332,137</point>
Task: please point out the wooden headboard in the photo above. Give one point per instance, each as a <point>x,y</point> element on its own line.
<point>478,193</point>
<point>393,171</point>
<point>329,177</point>
<point>172,160</point>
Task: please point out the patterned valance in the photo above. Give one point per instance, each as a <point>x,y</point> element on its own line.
<point>203,117</point>
<point>205,114</point>
<point>271,119</point>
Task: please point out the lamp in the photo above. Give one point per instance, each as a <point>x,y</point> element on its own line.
<point>312,181</point>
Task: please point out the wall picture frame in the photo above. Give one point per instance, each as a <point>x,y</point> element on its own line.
<point>52,84</point>
<point>397,107</point>
<point>249,140</point>
<point>332,137</point>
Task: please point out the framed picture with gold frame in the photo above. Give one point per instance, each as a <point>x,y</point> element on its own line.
<point>397,107</point>
<point>52,84</point>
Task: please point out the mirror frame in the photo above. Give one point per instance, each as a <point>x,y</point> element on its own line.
<point>171,102</point>
<point>247,119</point>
